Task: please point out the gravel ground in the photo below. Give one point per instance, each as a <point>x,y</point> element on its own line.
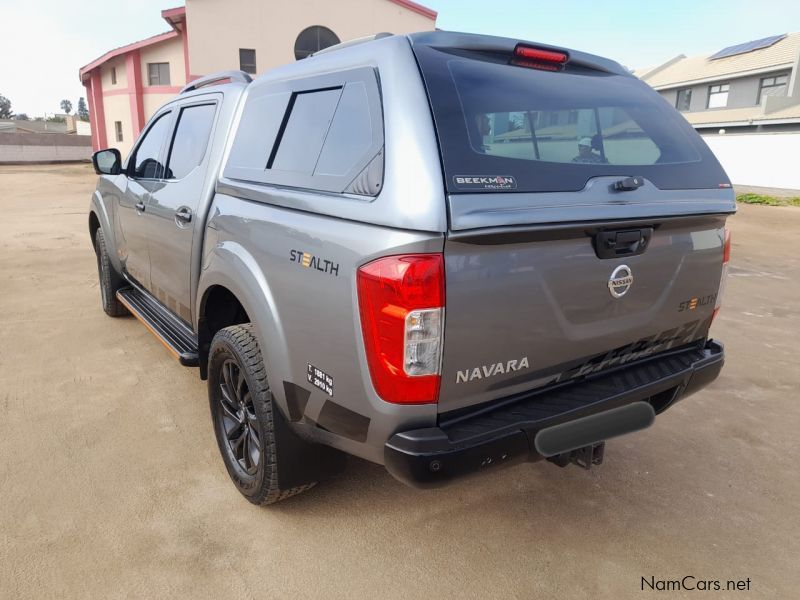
<point>767,191</point>
<point>111,485</point>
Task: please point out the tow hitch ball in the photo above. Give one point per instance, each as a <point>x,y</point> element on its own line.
<point>584,457</point>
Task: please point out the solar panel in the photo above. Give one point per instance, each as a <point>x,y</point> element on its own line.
<point>747,47</point>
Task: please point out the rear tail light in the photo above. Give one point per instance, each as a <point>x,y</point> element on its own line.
<point>726,257</point>
<point>401,302</point>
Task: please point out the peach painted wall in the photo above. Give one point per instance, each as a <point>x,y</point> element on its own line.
<point>271,28</point>
<point>170,52</point>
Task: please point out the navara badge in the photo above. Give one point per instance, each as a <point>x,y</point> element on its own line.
<point>620,281</point>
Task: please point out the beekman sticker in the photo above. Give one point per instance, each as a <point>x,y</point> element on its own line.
<point>485,182</point>
<point>320,379</point>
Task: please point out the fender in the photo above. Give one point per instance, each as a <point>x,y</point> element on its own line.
<point>98,207</point>
<point>232,266</point>
<point>229,264</point>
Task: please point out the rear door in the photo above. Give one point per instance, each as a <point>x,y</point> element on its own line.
<point>586,221</point>
<point>172,210</point>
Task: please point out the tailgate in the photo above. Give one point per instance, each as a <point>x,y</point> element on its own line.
<point>530,308</point>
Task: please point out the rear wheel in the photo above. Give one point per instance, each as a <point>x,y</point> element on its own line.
<point>242,411</point>
<point>110,280</point>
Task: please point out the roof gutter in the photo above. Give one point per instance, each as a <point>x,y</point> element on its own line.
<point>747,123</point>
<point>723,124</point>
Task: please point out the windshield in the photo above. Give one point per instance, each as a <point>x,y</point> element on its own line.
<point>555,130</point>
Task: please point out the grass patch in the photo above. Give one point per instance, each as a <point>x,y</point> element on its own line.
<point>768,200</point>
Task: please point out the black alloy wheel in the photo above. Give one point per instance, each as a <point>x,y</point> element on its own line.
<point>237,419</point>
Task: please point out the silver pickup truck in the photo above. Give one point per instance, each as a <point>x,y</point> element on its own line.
<point>444,253</point>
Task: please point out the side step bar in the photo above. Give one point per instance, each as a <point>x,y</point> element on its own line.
<point>176,336</point>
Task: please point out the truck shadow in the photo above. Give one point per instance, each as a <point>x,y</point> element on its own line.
<point>541,487</point>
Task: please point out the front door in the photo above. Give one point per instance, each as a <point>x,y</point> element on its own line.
<point>144,169</point>
<point>172,210</point>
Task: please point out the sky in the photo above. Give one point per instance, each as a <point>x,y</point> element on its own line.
<point>43,43</point>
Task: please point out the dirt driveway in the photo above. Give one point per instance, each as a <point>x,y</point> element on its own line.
<point>111,484</point>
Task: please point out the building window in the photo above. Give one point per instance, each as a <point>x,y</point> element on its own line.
<point>718,95</point>
<point>118,130</point>
<point>684,100</point>
<point>313,39</point>
<point>772,86</point>
<point>113,75</point>
<point>247,60</point>
<point>158,73</point>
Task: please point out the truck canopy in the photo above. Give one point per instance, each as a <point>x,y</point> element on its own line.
<point>551,125</point>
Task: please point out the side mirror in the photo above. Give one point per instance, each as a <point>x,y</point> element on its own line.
<point>107,162</point>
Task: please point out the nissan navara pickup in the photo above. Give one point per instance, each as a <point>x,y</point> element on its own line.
<point>444,253</point>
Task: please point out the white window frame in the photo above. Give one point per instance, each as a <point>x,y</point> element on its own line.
<point>718,95</point>
<point>772,82</point>
<point>157,66</point>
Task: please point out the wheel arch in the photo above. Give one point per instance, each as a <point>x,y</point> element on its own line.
<point>94,225</point>
<point>232,290</point>
<point>219,308</point>
<point>99,219</point>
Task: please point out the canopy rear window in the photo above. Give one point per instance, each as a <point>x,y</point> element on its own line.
<point>547,130</point>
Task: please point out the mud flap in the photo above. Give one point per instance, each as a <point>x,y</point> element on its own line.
<point>301,462</point>
<point>587,431</point>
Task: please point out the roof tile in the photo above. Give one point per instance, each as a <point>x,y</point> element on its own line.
<point>694,68</point>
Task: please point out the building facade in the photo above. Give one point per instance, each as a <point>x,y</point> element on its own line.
<point>745,102</point>
<point>126,85</point>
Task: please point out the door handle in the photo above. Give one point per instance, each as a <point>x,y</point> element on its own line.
<point>140,206</point>
<point>183,216</point>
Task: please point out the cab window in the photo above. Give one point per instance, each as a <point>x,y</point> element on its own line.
<point>146,157</point>
<point>191,140</point>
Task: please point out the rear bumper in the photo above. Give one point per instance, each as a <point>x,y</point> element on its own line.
<point>542,424</point>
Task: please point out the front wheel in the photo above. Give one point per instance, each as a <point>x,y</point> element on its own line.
<point>242,411</point>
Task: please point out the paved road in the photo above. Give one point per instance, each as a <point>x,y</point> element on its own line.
<point>111,485</point>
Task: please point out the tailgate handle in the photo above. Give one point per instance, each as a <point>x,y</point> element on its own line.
<point>628,184</point>
<point>630,242</point>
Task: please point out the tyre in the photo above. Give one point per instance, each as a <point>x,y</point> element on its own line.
<point>243,414</point>
<point>110,280</point>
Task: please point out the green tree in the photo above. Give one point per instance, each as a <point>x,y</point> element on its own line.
<point>82,112</point>
<point>66,106</point>
<point>5,108</point>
